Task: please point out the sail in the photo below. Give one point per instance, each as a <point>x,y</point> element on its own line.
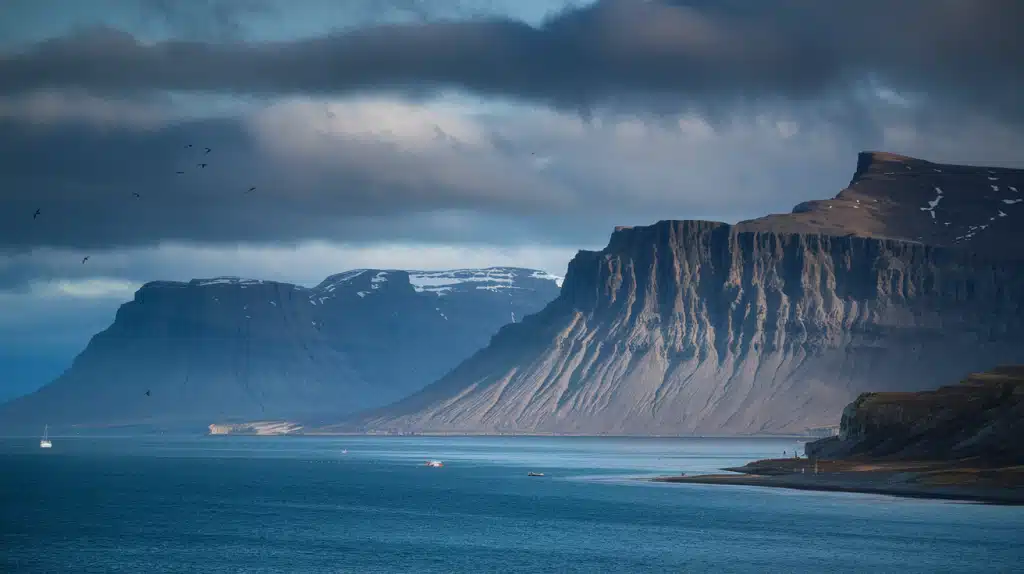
<point>45,442</point>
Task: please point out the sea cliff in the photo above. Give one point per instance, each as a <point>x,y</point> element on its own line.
<point>959,442</point>
<point>913,273</point>
<point>982,418</point>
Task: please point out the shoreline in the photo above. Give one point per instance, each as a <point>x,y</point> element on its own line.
<point>114,432</point>
<point>544,434</point>
<point>951,481</point>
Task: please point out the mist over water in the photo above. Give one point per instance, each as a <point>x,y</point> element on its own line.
<point>301,504</point>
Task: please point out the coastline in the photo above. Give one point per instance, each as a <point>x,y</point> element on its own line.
<point>298,430</point>
<point>954,482</point>
<point>551,434</point>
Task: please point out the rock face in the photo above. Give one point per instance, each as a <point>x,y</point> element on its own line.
<point>898,197</point>
<point>981,417</point>
<point>227,349</point>
<point>771,325</point>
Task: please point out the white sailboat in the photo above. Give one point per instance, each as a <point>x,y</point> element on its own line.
<point>45,442</point>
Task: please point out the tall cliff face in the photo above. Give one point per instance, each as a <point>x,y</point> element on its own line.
<point>981,417</point>
<point>230,349</point>
<point>702,327</point>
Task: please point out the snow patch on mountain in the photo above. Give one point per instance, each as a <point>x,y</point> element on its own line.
<point>490,279</point>
<point>226,281</point>
<point>548,276</point>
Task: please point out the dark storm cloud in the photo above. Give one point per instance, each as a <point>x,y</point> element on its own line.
<point>83,180</point>
<point>967,54</point>
<point>490,190</point>
<point>723,56</point>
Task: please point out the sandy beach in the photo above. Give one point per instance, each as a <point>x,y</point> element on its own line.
<point>916,480</point>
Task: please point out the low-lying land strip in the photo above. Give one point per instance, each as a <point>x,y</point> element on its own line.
<point>955,480</point>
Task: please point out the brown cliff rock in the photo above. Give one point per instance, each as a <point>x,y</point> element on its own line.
<point>982,417</point>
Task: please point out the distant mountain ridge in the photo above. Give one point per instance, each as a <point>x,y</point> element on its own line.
<point>231,349</point>
<point>913,273</point>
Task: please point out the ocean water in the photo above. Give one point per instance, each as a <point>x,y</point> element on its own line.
<point>300,504</point>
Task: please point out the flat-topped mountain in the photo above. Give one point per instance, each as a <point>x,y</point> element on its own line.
<point>227,349</point>
<point>771,325</point>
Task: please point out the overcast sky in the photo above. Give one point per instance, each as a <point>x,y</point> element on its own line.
<point>446,133</point>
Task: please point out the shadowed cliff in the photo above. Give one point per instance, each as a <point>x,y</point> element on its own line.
<point>228,349</point>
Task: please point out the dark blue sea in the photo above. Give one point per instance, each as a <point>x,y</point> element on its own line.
<point>299,504</point>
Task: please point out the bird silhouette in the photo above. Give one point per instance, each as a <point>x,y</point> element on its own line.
<point>36,214</point>
<point>251,189</point>
<point>84,259</point>
<point>201,164</point>
<point>135,194</point>
<point>188,146</point>
<point>147,392</point>
<point>208,150</point>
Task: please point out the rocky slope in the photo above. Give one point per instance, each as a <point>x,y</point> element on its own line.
<point>898,197</point>
<point>910,274</point>
<point>229,349</point>
<point>981,417</point>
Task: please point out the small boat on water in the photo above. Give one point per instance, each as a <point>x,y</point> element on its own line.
<point>45,441</point>
<point>535,474</point>
<point>434,463</point>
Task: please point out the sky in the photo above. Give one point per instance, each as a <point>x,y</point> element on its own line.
<point>443,134</point>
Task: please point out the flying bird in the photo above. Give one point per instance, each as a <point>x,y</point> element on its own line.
<point>147,392</point>
<point>208,150</point>
<point>201,164</point>
<point>84,259</point>
<point>135,194</point>
<point>36,214</point>
<point>188,146</point>
<point>251,189</point>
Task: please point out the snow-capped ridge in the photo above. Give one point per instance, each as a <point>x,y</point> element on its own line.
<point>364,282</point>
<point>338,279</point>
<point>545,275</point>
<point>207,282</point>
<point>226,280</point>
<point>440,282</point>
<point>493,278</point>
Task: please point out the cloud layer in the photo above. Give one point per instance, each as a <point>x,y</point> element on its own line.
<point>706,54</point>
<point>383,170</point>
<point>693,109</point>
